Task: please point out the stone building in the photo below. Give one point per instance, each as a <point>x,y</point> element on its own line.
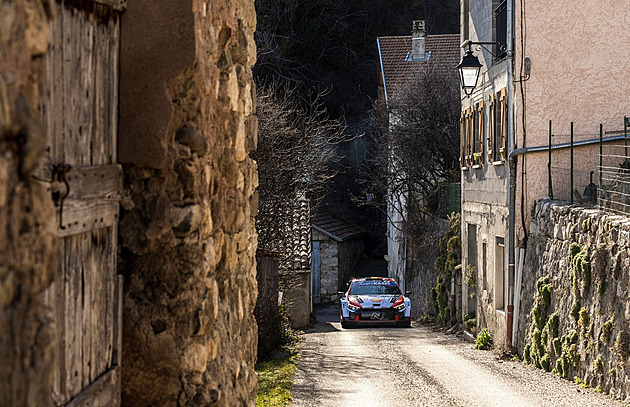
<point>533,76</point>
<point>405,61</point>
<point>127,199</point>
<point>338,250</point>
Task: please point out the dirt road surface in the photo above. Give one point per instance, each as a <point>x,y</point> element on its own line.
<point>391,367</point>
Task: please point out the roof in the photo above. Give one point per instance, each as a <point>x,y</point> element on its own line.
<point>336,228</point>
<point>397,72</point>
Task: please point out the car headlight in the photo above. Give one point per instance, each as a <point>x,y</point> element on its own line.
<point>400,307</point>
<point>352,307</point>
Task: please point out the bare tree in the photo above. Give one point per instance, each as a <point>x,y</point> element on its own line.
<point>416,147</point>
<point>297,150</point>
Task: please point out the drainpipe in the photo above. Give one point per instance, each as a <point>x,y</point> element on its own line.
<point>512,168</point>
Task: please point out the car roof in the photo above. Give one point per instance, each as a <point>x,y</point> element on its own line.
<point>375,279</point>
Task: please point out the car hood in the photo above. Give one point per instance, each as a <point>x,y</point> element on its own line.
<point>370,301</point>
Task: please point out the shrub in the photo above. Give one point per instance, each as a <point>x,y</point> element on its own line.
<point>469,323</point>
<point>483,340</point>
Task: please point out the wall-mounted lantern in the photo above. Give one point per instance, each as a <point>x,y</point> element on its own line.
<point>469,67</point>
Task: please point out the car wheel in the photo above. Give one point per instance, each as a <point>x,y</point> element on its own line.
<point>406,324</point>
<point>344,324</point>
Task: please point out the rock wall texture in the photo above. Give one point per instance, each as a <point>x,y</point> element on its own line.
<point>575,312</point>
<point>187,232</point>
<point>27,245</point>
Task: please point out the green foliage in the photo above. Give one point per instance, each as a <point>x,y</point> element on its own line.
<point>471,280</point>
<point>622,344</point>
<point>570,348</point>
<point>483,340</point>
<point>584,320</point>
<point>527,357</point>
<point>561,367</point>
<point>552,325</point>
<point>470,323</point>
<point>598,365</point>
<point>275,378</point>
<point>575,310</point>
<point>538,315</point>
<point>606,330</point>
<point>580,264</point>
<point>449,247</point>
<point>556,344</point>
<point>545,362</point>
<point>439,293</point>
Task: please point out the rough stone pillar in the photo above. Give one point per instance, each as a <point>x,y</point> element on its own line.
<point>187,230</point>
<point>27,247</point>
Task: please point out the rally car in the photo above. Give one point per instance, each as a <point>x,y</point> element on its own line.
<point>374,300</point>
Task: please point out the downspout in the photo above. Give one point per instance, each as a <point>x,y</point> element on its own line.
<point>512,169</point>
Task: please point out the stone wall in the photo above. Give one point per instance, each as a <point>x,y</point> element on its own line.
<point>351,253</point>
<point>329,265</point>
<point>187,231</point>
<point>422,274</point>
<point>575,311</point>
<point>27,246</point>
<point>267,311</point>
<point>297,296</point>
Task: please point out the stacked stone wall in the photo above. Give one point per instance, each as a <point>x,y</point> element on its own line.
<point>27,245</point>
<point>575,307</point>
<point>187,231</point>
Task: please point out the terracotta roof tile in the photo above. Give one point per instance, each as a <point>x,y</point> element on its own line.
<point>398,73</point>
<point>337,228</point>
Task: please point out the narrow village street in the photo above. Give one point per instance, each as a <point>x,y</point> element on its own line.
<point>383,366</point>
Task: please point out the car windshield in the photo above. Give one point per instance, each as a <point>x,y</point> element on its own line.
<point>374,288</point>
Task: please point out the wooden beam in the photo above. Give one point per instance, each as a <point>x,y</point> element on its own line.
<point>105,391</point>
<point>82,216</point>
<point>102,182</point>
<point>118,5</point>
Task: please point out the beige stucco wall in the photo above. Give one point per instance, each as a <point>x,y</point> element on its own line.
<point>578,74</point>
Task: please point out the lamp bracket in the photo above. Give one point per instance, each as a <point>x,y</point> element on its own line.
<point>482,45</point>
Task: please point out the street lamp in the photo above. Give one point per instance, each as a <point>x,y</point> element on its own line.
<point>469,68</point>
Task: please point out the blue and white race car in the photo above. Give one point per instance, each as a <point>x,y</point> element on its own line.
<point>374,300</point>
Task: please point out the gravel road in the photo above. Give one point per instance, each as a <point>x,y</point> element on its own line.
<point>381,366</point>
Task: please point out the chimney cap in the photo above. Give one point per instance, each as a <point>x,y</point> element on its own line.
<point>419,25</point>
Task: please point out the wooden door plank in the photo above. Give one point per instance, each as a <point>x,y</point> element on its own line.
<point>117,351</point>
<point>72,323</point>
<point>112,135</point>
<point>104,392</point>
<point>82,216</point>
<point>118,5</point>
<point>100,85</point>
<point>104,182</point>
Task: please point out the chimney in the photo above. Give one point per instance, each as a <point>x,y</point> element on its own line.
<point>418,35</point>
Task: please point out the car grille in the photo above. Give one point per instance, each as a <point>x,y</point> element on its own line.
<point>370,314</point>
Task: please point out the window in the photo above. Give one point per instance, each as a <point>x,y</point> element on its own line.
<point>498,126</point>
<point>472,136</point>
<point>478,134</point>
<point>466,137</point>
<point>499,274</point>
<point>500,28</point>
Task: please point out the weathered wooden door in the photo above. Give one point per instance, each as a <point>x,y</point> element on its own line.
<point>80,106</point>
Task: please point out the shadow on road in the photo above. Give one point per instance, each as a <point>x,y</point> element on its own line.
<point>328,320</point>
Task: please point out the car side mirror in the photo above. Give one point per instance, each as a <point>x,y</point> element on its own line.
<point>408,293</point>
